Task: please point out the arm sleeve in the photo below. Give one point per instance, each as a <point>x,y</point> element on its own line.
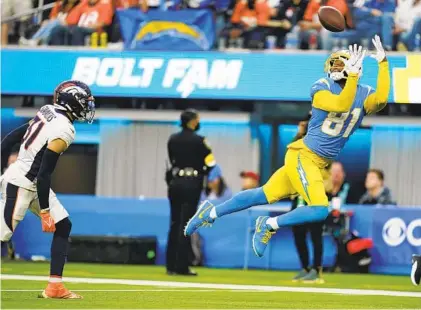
<point>10,141</point>
<point>323,98</point>
<point>236,15</point>
<point>13,138</point>
<point>106,14</point>
<point>74,15</point>
<point>263,15</point>
<point>170,153</point>
<point>54,12</point>
<point>377,100</point>
<point>48,164</point>
<point>311,9</point>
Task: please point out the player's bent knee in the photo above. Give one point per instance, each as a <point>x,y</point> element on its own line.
<point>324,212</point>
<point>318,203</point>
<point>319,199</point>
<point>270,196</point>
<point>64,227</point>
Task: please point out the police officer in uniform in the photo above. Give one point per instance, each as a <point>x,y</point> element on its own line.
<point>191,160</point>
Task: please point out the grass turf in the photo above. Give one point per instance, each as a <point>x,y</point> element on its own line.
<point>164,297</point>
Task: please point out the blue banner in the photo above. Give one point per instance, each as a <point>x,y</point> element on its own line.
<point>396,236</point>
<point>186,30</point>
<point>210,75</point>
<point>150,217</point>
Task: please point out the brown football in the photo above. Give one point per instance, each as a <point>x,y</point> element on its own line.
<point>331,19</point>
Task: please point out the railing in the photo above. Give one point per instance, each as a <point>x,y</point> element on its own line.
<point>41,8</point>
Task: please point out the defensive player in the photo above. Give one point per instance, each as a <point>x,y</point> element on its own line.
<point>338,105</point>
<point>416,269</point>
<point>26,183</point>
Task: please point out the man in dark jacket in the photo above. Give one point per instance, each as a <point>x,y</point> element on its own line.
<point>377,193</point>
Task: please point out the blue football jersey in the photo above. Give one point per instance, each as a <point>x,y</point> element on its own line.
<point>329,131</point>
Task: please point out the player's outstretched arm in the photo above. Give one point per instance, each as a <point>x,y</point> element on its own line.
<point>326,101</point>
<point>378,100</point>
<point>48,164</point>
<point>341,103</point>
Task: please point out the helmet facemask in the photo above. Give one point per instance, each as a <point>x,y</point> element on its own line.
<point>335,65</point>
<point>87,112</point>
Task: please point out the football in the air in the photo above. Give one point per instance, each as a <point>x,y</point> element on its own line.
<point>331,19</point>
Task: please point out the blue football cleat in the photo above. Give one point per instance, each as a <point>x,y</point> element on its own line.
<point>200,218</point>
<point>261,236</point>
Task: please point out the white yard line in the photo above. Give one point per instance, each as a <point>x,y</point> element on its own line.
<point>140,290</point>
<point>256,288</point>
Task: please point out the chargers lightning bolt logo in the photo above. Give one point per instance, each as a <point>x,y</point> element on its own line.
<point>303,178</point>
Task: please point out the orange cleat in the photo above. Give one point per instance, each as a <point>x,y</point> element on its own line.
<point>58,291</point>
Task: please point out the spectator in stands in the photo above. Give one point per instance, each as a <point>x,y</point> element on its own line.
<point>339,188</point>
<point>248,21</point>
<point>374,17</point>
<point>312,34</point>
<point>407,23</point>
<point>249,180</point>
<point>89,16</point>
<point>216,188</point>
<point>128,4</point>
<point>377,193</point>
<point>58,18</point>
<point>11,8</point>
<point>289,13</point>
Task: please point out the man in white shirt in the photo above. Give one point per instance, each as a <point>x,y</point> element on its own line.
<point>408,23</point>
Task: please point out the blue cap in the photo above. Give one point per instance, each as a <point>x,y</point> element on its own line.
<point>215,173</point>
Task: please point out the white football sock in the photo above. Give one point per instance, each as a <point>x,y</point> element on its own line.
<point>55,279</point>
<point>272,223</point>
<point>213,214</point>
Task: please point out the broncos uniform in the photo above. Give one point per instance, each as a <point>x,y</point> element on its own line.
<point>19,180</point>
<point>26,183</point>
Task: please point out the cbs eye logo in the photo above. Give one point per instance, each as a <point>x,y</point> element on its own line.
<point>395,232</point>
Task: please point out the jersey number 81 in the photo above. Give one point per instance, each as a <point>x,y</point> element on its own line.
<point>334,123</point>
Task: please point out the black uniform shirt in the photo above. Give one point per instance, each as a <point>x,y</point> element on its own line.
<point>186,149</point>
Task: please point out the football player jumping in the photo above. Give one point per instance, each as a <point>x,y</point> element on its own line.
<point>339,104</point>
<point>26,183</point>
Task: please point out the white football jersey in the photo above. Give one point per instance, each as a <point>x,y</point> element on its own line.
<point>46,126</point>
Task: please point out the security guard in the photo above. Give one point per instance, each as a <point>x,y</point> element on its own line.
<point>191,160</point>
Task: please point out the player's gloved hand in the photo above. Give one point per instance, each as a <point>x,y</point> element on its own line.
<point>47,221</point>
<point>380,54</point>
<point>355,62</point>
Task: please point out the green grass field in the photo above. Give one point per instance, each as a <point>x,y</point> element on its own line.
<point>197,292</point>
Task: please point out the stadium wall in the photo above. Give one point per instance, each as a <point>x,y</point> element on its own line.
<point>396,233</point>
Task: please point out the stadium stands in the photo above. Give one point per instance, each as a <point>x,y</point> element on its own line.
<point>213,24</point>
